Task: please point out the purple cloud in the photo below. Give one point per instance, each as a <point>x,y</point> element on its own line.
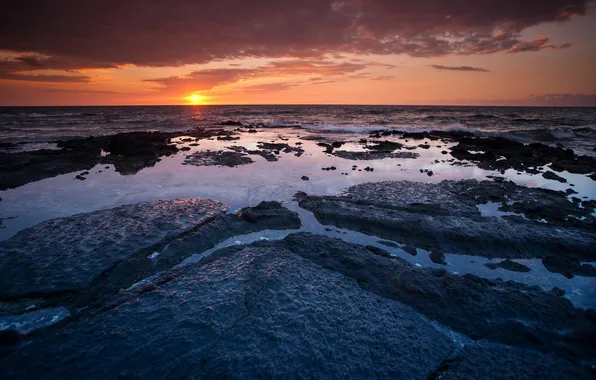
<point>110,33</point>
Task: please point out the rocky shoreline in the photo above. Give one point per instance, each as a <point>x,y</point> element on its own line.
<point>160,289</point>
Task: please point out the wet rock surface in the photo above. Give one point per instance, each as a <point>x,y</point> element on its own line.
<point>217,158</point>
<point>444,218</point>
<point>500,153</point>
<point>81,259</point>
<point>373,155</point>
<point>67,254</point>
<point>312,306</point>
<point>508,265</point>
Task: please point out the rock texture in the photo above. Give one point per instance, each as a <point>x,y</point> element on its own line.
<point>83,258</point>
<point>67,254</point>
<point>443,218</point>
<point>312,307</point>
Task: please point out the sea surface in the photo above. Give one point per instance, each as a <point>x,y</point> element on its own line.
<point>39,127</point>
<point>28,128</point>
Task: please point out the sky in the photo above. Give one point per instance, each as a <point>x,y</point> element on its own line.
<point>155,52</point>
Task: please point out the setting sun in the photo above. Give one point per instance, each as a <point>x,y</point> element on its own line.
<point>194,99</point>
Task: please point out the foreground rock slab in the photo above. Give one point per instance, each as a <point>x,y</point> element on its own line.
<point>310,307</point>
<point>256,312</point>
<point>80,259</point>
<point>67,254</point>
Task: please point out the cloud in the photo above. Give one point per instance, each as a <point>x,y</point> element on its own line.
<point>460,68</point>
<point>538,44</point>
<point>208,79</point>
<point>110,33</point>
<point>269,87</point>
<point>382,78</point>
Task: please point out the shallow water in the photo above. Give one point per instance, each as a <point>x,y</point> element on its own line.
<point>248,185</point>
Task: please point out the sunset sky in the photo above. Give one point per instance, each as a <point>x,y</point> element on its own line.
<point>485,52</point>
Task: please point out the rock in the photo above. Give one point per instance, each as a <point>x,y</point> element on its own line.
<point>218,158</point>
<point>553,176</point>
<point>568,266</point>
<point>508,265</point>
<point>444,218</point>
<point>494,362</point>
<point>480,308</point>
<point>438,258</point>
<point>305,178</point>
<point>366,156</point>
<point>231,123</point>
<point>499,153</point>
<point>424,146</point>
<point>246,312</point>
<point>80,261</point>
<point>383,146</point>
<point>67,254</point>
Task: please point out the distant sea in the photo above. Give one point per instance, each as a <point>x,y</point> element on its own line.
<point>39,127</point>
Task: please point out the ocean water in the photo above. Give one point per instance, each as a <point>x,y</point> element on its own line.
<point>104,187</point>
<point>38,127</point>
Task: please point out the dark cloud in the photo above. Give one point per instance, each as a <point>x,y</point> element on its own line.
<point>460,68</point>
<point>109,33</point>
<point>538,44</point>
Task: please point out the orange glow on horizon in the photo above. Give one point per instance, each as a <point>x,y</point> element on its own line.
<point>195,99</point>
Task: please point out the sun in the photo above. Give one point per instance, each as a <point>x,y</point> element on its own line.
<point>194,99</point>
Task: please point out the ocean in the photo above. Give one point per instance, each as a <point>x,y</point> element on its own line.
<point>39,127</point>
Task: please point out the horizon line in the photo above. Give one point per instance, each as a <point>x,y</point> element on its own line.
<point>303,105</point>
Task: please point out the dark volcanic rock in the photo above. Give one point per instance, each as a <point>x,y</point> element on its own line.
<point>477,307</point>
<point>568,266</point>
<point>305,178</point>
<point>553,176</point>
<point>67,254</point>
<point>384,146</point>
<point>444,218</point>
<point>495,362</point>
<point>374,155</point>
<point>246,312</point>
<point>83,258</point>
<point>217,158</point>
<point>499,153</point>
<point>18,169</point>
<point>437,257</point>
<point>231,123</point>
<point>508,265</point>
